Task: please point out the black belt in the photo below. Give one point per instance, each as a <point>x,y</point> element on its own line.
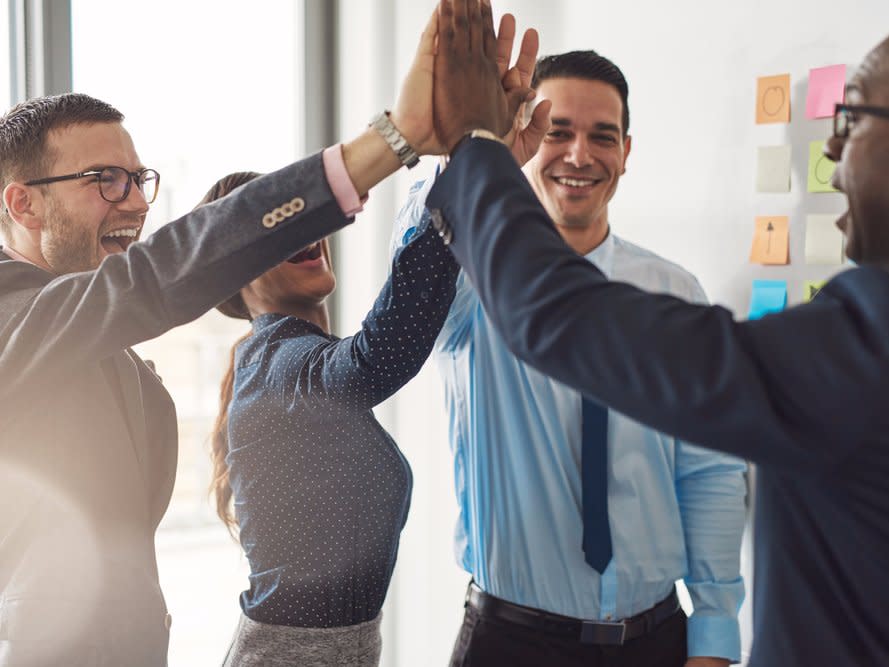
<point>587,632</point>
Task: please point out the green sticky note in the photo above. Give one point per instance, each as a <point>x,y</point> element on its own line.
<point>820,168</point>
<point>811,288</point>
<point>767,296</point>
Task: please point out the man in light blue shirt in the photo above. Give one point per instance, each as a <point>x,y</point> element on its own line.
<point>675,511</point>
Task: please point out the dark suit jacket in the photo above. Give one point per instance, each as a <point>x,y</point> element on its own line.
<point>803,393</point>
<point>87,431</point>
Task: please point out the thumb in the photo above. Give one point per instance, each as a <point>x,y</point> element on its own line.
<point>540,123</point>
<point>516,97</point>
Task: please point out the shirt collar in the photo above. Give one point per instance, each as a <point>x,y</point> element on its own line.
<point>603,255</point>
<point>12,254</point>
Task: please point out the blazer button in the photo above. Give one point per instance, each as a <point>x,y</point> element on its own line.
<point>298,204</point>
<point>268,221</point>
<point>168,620</point>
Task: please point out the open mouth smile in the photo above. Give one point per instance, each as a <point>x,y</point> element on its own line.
<point>313,252</point>
<point>119,239</point>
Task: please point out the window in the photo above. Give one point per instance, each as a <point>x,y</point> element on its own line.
<point>6,50</point>
<point>208,87</point>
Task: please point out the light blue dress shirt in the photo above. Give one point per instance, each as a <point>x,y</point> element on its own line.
<point>676,511</point>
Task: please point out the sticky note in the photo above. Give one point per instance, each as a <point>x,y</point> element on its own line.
<point>770,240</point>
<point>827,87</point>
<point>773,169</point>
<point>824,242</point>
<point>767,296</point>
<point>821,168</point>
<point>811,288</point>
<point>773,99</point>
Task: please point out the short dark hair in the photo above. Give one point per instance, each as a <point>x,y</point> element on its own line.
<point>234,306</point>
<point>24,128</point>
<point>584,65</point>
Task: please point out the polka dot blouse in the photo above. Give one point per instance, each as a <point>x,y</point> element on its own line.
<point>321,490</point>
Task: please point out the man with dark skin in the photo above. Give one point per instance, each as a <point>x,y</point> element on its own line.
<point>822,524</point>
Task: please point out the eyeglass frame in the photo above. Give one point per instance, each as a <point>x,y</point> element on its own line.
<point>846,109</point>
<point>132,177</point>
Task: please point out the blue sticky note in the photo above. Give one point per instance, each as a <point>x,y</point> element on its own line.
<point>768,296</point>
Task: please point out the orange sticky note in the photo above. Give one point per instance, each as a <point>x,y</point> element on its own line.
<point>770,241</point>
<point>773,99</point>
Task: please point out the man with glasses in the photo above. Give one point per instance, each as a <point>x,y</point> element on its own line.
<point>88,439</point>
<point>803,392</point>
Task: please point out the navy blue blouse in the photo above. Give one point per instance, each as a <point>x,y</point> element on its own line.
<point>321,491</point>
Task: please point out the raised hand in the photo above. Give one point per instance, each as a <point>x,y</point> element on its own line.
<point>412,114</point>
<point>525,135</point>
<point>468,92</point>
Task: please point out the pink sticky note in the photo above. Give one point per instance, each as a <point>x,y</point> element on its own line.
<point>827,86</point>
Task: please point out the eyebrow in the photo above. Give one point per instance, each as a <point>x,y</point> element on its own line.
<point>602,127</point>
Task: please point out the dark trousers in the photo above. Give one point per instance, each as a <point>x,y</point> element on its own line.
<point>493,642</point>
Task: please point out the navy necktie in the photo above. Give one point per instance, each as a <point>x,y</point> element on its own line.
<point>594,482</point>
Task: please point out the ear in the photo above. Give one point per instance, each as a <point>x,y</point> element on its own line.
<point>628,144</point>
<point>24,204</point>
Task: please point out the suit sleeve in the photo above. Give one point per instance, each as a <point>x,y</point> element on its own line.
<point>683,369</point>
<point>413,216</point>
<point>49,329</point>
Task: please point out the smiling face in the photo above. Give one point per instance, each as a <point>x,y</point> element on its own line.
<point>863,163</point>
<point>577,168</point>
<point>79,228</point>
<point>298,286</point>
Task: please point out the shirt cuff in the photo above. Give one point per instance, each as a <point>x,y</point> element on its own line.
<point>338,178</point>
<point>714,636</point>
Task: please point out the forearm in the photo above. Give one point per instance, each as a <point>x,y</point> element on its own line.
<point>180,272</point>
<point>369,160</point>
<point>710,490</point>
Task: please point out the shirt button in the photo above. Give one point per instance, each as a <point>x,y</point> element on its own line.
<point>424,295</point>
<point>168,621</point>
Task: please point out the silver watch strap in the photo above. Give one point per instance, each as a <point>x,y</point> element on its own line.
<point>406,155</point>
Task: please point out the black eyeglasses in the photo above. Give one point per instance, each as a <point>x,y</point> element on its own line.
<point>114,182</point>
<point>846,115</point>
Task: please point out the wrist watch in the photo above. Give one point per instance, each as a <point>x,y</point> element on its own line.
<point>399,145</point>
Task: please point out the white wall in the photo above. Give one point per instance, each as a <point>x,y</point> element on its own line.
<point>688,194</point>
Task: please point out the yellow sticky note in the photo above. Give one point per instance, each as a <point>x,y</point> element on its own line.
<point>811,288</point>
<point>824,242</point>
<point>770,240</point>
<point>773,99</point>
<point>821,168</point>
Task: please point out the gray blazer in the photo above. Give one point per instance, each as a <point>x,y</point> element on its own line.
<point>88,433</point>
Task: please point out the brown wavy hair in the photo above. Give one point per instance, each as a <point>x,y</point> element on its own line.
<point>220,488</point>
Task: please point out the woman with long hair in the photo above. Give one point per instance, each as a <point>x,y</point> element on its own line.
<point>314,487</point>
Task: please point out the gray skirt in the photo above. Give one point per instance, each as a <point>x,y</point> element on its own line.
<point>269,645</point>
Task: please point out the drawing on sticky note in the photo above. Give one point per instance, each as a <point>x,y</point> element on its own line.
<point>773,99</point>
<point>770,241</point>
<point>824,169</point>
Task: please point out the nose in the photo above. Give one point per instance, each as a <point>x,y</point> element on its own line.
<point>833,148</point>
<point>578,153</point>
<point>135,201</point>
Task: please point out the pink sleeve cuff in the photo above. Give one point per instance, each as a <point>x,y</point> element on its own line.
<point>338,178</point>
